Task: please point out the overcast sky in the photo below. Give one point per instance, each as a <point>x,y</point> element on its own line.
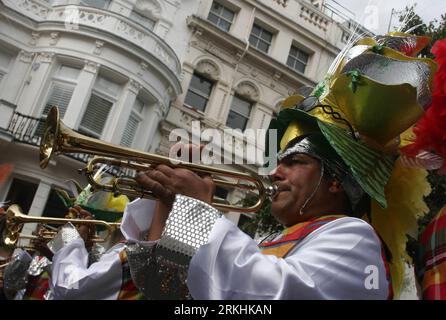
<point>375,14</point>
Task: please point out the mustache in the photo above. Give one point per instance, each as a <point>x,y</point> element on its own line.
<point>279,188</point>
<point>282,186</point>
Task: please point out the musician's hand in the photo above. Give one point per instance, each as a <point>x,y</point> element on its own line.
<point>165,182</point>
<point>41,246</point>
<point>87,232</point>
<point>149,181</point>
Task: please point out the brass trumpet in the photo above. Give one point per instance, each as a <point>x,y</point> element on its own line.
<point>58,138</point>
<point>15,220</point>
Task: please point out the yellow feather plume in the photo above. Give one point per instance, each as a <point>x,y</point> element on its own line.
<point>405,194</point>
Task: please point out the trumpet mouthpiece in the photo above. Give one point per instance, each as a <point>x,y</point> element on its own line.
<point>272,190</point>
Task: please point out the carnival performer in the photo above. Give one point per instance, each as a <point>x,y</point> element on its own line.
<point>26,274</point>
<point>427,149</point>
<point>109,277</point>
<point>343,193</point>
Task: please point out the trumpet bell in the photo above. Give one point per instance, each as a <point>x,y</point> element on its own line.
<point>48,143</point>
<point>10,239</point>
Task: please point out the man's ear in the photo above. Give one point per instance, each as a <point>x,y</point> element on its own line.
<point>335,187</point>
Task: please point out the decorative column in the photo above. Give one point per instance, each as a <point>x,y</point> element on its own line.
<point>17,76</point>
<point>34,82</point>
<point>38,205</point>
<point>81,94</point>
<point>151,123</point>
<point>11,88</point>
<point>121,112</point>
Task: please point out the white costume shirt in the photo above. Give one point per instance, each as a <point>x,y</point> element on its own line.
<point>340,260</point>
<point>72,278</point>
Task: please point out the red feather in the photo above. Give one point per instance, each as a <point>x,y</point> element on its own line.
<point>5,171</point>
<point>430,130</point>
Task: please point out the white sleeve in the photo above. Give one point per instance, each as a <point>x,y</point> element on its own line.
<point>137,219</point>
<point>340,260</point>
<point>72,279</point>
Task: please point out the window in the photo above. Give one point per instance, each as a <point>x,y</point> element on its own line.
<point>62,87</point>
<point>55,206</point>
<point>102,99</point>
<point>61,91</point>
<point>260,38</point>
<point>95,116</point>
<point>100,4</point>
<point>5,62</point>
<point>143,20</point>
<point>221,16</point>
<point>199,92</point>
<point>132,124</point>
<point>297,59</point>
<point>22,193</point>
<point>239,113</point>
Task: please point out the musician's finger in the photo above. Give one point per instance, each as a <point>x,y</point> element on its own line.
<point>150,181</point>
<point>77,207</point>
<point>162,176</point>
<point>85,214</point>
<point>166,170</point>
<point>72,213</point>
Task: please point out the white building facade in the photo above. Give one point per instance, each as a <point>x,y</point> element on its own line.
<point>109,65</point>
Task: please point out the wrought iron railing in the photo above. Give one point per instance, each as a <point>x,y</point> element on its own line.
<point>26,129</point>
<point>29,130</point>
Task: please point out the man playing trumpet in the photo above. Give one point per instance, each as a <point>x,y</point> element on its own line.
<point>338,173</point>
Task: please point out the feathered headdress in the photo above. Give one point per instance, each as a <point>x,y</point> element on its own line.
<point>373,94</point>
<point>427,149</point>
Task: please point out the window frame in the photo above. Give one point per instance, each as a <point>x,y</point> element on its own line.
<point>4,70</point>
<point>251,106</point>
<point>199,93</point>
<point>220,16</point>
<point>57,78</point>
<point>296,59</point>
<point>140,18</point>
<point>105,7</point>
<point>259,37</point>
<point>139,117</point>
<point>105,96</point>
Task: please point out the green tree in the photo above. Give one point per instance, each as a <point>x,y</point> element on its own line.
<point>262,222</point>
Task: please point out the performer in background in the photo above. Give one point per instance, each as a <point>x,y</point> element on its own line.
<point>109,277</point>
<point>428,149</point>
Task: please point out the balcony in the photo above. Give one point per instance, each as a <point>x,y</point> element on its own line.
<point>29,130</point>
<point>25,129</point>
